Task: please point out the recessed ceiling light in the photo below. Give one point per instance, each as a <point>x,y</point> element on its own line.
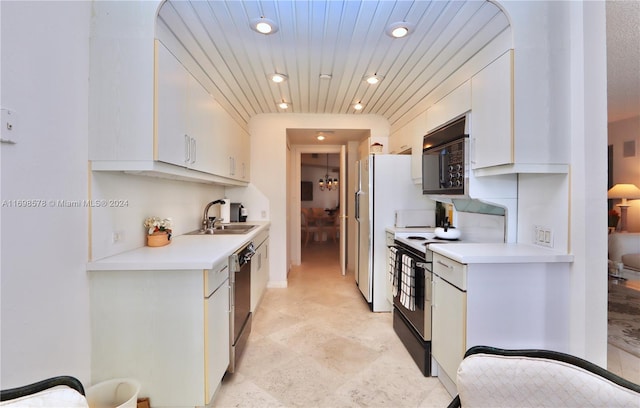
<point>283,105</point>
<point>399,29</point>
<point>373,79</point>
<point>325,76</point>
<point>320,137</point>
<point>278,78</point>
<point>264,25</point>
<point>358,106</point>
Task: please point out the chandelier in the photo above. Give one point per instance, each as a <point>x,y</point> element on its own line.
<point>327,182</point>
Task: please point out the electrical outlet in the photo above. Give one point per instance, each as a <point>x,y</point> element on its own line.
<point>116,236</point>
<point>543,236</point>
<point>263,214</point>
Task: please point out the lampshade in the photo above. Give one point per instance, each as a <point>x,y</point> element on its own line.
<point>624,191</point>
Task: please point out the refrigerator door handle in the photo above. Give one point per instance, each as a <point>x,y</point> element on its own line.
<point>357,201</point>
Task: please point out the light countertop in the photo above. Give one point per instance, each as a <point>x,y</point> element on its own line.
<point>469,253</point>
<point>409,229</point>
<point>184,252</point>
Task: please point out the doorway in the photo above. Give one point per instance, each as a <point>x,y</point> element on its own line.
<point>320,203</point>
<point>310,164</point>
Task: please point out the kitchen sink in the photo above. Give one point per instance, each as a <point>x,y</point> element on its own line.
<point>225,229</point>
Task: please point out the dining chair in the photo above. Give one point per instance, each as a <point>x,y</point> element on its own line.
<point>308,225</point>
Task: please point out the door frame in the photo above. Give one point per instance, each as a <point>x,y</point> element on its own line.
<point>295,206</point>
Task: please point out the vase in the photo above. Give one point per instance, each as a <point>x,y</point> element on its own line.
<point>158,239</point>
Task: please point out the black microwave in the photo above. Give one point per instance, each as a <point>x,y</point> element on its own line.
<point>444,159</point>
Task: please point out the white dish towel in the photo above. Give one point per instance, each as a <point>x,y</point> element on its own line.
<point>408,284</point>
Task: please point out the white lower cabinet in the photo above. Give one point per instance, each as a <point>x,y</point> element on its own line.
<point>449,315</point>
<point>217,312</point>
<point>513,305</point>
<point>158,327</point>
<point>449,319</point>
<point>259,269</point>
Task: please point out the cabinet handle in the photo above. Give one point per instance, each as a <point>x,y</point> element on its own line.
<point>194,149</point>
<point>433,290</point>
<point>187,148</point>
<point>445,265</point>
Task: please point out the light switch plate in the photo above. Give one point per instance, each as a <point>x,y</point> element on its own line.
<point>543,236</point>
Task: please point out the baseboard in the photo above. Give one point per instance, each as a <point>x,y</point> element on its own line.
<point>277,285</point>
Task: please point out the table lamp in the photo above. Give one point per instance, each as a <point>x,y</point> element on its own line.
<point>624,192</point>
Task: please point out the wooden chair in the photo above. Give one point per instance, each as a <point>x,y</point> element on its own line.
<point>308,225</point>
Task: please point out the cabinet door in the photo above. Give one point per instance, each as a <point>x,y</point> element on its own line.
<point>418,130</point>
<point>201,128</point>
<point>491,114</point>
<point>244,155</point>
<point>172,140</point>
<point>238,151</point>
<point>448,325</point>
<point>452,106</point>
<point>217,338</point>
<point>225,135</point>
<point>259,273</point>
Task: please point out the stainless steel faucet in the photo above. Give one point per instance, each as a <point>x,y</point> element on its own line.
<point>208,224</point>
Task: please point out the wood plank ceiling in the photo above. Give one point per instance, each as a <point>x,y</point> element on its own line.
<point>343,39</point>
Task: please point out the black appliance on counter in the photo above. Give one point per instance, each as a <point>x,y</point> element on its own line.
<point>237,213</point>
<point>413,327</point>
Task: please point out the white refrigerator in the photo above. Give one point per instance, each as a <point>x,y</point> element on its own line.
<point>383,186</point>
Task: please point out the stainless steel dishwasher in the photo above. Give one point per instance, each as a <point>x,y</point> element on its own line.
<point>240,294</point>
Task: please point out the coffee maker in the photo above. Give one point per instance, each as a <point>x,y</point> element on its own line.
<point>238,213</point>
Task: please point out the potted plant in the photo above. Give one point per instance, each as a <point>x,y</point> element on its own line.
<point>158,231</point>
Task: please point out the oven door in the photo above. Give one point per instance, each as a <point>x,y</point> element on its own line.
<point>420,318</point>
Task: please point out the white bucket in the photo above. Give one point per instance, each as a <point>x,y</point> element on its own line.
<point>116,393</point>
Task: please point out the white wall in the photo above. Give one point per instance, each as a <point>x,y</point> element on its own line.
<point>45,306</point>
<point>560,91</point>
<point>144,197</point>
<point>321,199</point>
<point>627,169</point>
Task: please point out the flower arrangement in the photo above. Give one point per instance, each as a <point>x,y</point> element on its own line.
<point>155,225</point>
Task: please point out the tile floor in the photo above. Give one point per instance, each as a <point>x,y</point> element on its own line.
<point>316,344</point>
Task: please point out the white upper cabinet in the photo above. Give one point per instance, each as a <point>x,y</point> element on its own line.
<point>496,147</point>
<point>452,106</point>
<point>162,124</point>
<point>417,131</point>
<point>192,129</point>
<point>492,114</point>
<point>172,107</point>
<point>231,151</point>
<point>401,141</point>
